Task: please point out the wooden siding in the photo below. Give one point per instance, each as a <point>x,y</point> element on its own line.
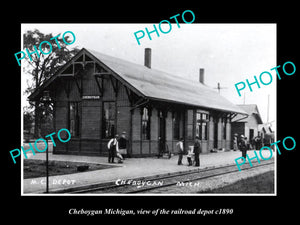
<point>91,119</point>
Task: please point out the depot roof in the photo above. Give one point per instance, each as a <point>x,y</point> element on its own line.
<point>158,85</point>
<point>252,110</point>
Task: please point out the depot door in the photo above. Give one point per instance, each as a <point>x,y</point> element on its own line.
<point>162,133</point>
<point>216,134</point>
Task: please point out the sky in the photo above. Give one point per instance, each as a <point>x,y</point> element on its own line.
<point>229,53</point>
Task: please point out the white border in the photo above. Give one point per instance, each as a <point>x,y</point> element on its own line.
<point>74,195</point>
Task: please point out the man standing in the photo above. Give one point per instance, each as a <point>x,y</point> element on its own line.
<point>123,145</point>
<point>112,148</point>
<point>197,149</point>
<point>243,146</point>
<point>235,142</point>
<point>179,148</point>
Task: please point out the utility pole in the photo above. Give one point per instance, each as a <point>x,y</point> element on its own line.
<point>219,87</point>
<point>46,100</point>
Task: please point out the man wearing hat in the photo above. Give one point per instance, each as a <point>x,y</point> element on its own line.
<point>179,148</point>
<point>113,150</point>
<point>243,146</point>
<point>197,149</point>
<point>112,146</point>
<point>123,144</point>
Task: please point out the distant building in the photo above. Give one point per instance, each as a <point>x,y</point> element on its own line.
<point>247,125</point>
<point>96,96</point>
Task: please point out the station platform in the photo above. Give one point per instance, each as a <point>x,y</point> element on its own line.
<point>131,168</point>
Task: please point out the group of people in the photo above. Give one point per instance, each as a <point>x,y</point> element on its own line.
<point>192,153</point>
<point>242,144</point>
<point>117,147</point>
<point>256,142</point>
<point>238,144</point>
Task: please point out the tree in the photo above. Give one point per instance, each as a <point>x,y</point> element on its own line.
<point>44,66</point>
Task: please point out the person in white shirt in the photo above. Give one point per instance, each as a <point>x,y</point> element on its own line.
<point>179,148</point>
<point>113,150</point>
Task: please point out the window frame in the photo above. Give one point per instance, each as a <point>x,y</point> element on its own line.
<point>112,121</point>
<point>176,118</point>
<point>201,125</point>
<point>75,130</point>
<point>224,128</point>
<point>145,124</point>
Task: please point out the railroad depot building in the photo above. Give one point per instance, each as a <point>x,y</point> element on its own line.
<point>96,96</point>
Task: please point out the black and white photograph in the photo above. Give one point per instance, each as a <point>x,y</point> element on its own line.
<point>134,113</point>
<point>142,109</point>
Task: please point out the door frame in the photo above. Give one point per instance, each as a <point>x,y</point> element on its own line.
<point>161,132</point>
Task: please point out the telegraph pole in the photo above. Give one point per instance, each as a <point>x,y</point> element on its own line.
<point>219,87</point>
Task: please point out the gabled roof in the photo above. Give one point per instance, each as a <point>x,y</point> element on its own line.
<point>252,110</point>
<point>158,85</point>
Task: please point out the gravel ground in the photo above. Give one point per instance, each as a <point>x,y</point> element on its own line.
<point>212,183</point>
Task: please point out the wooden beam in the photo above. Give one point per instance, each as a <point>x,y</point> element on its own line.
<point>66,85</point>
<point>139,103</point>
<point>232,115</point>
<point>78,86</point>
<point>115,85</point>
<point>129,94</point>
<point>103,73</point>
<point>66,75</point>
<point>99,84</point>
<point>245,117</point>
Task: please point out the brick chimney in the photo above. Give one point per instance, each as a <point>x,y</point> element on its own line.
<point>201,75</point>
<point>148,57</point>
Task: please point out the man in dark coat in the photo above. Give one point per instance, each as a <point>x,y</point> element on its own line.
<point>123,145</point>
<point>243,146</point>
<point>197,149</point>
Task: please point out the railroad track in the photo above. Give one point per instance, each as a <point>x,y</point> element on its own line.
<point>130,186</point>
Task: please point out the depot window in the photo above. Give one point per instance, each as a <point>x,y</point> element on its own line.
<point>224,125</point>
<point>74,118</point>
<point>145,124</point>
<point>190,124</point>
<point>201,125</point>
<point>108,119</point>
<point>176,125</point>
